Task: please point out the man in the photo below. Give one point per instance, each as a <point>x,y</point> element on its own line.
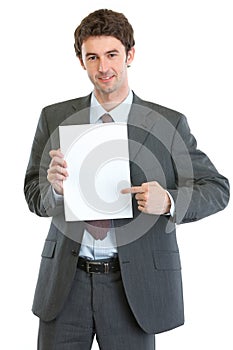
<point>122,279</point>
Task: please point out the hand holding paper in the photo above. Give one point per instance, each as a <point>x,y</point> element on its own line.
<point>57,171</point>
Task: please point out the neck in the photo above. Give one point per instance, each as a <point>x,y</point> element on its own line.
<point>111,100</point>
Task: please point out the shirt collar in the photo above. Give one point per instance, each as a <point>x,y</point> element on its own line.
<point>119,113</point>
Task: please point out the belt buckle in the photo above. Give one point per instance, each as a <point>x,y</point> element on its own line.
<point>88,266</point>
<point>106,267</point>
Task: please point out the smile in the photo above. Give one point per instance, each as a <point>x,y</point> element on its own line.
<point>107,78</point>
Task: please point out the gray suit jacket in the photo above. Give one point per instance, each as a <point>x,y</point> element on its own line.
<point>161,148</point>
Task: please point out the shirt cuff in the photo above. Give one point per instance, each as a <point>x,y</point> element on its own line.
<point>58,197</point>
<point>172,208</point>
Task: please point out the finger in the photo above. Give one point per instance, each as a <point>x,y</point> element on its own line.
<point>141,196</point>
<point>142,209</point>
<point>57,173</point>
<point>134,189</point>
<point>58,161</point>
<point>56,153</point>
<point>146,186</point>
<point>57,158</point>
<point>141,204</point>
<point>56,178</point>
<point>57,169</point>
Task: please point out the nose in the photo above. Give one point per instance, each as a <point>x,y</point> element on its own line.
<point>103,65</point>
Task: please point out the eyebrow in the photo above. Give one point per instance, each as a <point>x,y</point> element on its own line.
<point>107,52</point>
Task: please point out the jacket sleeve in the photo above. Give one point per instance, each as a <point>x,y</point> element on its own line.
<point>38,191</point>
<point>200,189</point>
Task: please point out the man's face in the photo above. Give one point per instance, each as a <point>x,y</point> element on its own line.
<point>105,60</point>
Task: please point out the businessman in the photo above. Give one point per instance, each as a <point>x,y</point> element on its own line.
<point>117,279</point>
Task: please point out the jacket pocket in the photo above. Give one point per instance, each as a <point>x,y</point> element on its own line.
<point>165,260</point>
<point>49,248</point>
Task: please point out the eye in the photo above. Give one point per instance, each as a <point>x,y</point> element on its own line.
<point>92,58</point>
<point>112,55</point>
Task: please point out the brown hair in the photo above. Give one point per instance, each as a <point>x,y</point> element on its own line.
<point>104,22</point>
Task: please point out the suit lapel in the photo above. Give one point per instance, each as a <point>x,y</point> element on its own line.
<point>140,122</point>
<point>80,112</point>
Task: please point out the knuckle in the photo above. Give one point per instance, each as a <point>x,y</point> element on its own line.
<point>54,160</point>
<point>58,177</point>
<point>57,168</point>
<point>145,186</point>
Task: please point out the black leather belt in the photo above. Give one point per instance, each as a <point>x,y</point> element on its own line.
<point>99,266</point>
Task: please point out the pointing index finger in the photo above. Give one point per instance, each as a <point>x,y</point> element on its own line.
<point>134,189</point>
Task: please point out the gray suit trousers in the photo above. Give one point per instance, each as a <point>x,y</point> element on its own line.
<point>96,305</point>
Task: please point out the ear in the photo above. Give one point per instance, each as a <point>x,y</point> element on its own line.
<point>130,56</point>
<point>82,63</point>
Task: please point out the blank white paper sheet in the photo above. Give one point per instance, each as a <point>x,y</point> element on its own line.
<point>98,166</point>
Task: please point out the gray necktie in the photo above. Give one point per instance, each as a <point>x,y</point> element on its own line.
<point>99,228</point>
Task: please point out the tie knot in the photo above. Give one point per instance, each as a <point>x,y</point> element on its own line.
<point>106,118</point>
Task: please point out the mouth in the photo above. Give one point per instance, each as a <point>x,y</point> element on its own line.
<point>106,79</point>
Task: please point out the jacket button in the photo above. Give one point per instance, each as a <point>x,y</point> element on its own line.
<point>74,253</point>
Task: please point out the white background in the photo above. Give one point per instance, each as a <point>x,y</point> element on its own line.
<point>183,61</point>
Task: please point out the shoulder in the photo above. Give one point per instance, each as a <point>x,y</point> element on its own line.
<point>72,104</point>
<point>55,114</point>
<point>171,115</point>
